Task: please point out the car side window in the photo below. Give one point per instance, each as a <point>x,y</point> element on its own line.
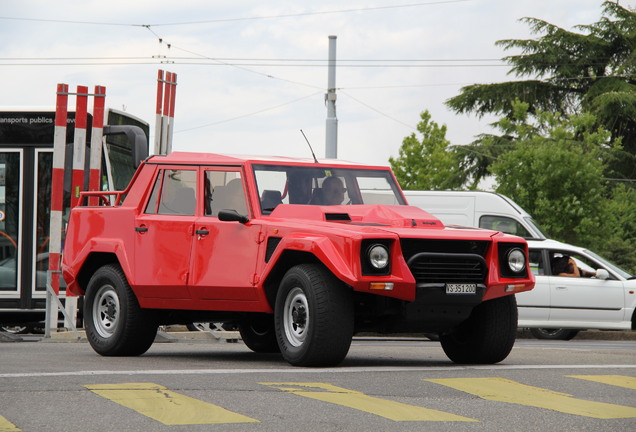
<point>584,266</point>
<point>223,190</point>
<point>174,193</point>
<point>536,262</point>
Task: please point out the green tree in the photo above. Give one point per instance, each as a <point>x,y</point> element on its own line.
<point>429,164</point>
<point>591,71</point>
<point>554,171</point>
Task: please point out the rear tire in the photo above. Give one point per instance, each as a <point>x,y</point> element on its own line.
<point>487,336</point>
<point>313,317</point>
<point>258,333</point>
<point>115,323</point>
<point>554,333</point>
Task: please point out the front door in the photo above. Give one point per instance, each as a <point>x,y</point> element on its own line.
<point>11,179</point>
<point>164,235</point>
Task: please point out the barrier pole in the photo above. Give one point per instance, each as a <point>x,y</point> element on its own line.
<point>173,97</point>
<point>79,144</point>
<point>57,207</point>
<point>97,134</point>
<point>158,117</point>
<point>164,118</point>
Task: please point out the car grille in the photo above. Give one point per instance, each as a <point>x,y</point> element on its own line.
<point>449,261</point>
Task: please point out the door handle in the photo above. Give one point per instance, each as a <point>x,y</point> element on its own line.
<point>141,229</point>
<point>561,288</point>
<point>201,233</point>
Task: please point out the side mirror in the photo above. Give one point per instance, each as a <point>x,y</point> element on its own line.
<point>136,136</point>
<point>602,274</point>
<point>226,215</point>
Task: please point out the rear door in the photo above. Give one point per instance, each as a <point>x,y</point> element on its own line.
<point>534,305</point>
<point>224,253</point>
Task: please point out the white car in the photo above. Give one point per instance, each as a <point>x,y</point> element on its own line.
<point>560,306</point>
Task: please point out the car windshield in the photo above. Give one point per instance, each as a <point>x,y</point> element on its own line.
<point>324,185</point>
<point>611,266</point>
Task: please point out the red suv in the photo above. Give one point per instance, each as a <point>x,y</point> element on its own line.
<point>300,254</point>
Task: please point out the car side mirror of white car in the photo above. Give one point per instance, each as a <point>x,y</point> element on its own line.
<point>602,274</point>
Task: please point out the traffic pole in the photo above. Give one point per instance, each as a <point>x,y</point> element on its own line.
<point>57,207</point>
<point>158,117</point>
<point>79,144</point>
<point>173,96</point>
<point>97,134</point>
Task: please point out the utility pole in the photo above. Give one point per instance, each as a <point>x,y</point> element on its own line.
<point>331,144</point>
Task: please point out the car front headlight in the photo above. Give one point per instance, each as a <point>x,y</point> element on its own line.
<point>516,260</point>
<point>378,256</point>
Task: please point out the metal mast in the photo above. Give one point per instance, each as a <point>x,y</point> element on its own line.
<point>331,144</point>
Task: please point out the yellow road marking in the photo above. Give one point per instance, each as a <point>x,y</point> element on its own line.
<point>504,390</point>
<point>615,380</point>
<point>357,400</point>
<point>7,426</point>
<point>165,406</point>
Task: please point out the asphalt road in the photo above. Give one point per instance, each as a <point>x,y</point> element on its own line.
<point>383,385</point>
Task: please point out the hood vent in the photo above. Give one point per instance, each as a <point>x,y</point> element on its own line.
<point>337,217</point>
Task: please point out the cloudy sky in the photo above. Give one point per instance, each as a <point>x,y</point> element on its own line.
<point>252,73</point>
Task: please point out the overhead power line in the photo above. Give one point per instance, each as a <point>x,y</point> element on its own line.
<point>222,20</point>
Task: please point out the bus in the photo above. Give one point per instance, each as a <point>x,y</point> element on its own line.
<point>26,158</point>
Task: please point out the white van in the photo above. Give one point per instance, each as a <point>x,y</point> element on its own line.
<point>477,209</point>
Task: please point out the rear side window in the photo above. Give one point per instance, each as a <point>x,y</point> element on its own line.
<point>504,224</point>
<point>174,193</point>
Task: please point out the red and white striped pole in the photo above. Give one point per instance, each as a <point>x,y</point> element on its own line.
<point>57,186</point>
<point>97,134</point>
<point>57,206</point>
<point>79,144</point>
<point>166,110</point>
<point>158,118</point>
<point>173,96</point>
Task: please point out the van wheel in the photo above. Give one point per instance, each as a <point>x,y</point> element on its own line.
<point>553,333</point>
<point>258,333</point>
<point>115,323</point>
<point>487,336</point>
<point>313,317</point>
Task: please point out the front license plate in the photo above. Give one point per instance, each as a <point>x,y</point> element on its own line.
<point>461,288</point>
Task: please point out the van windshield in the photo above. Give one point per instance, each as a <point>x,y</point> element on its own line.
<point>540,233</point>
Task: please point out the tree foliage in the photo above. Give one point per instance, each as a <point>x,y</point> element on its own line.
<point>593,70</point>
<point>429,164</point>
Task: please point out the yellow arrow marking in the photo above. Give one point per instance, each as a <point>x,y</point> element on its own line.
<point>504,390</point>
<point>165,406</point>
<point>7,426</point>
<point>615,380</point>
<point>354,399</point>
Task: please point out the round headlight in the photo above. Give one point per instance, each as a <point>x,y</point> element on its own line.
<point>378,256</point>
<point>516,260</point>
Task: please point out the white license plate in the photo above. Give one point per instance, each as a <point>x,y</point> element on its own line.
<point>461,288</point>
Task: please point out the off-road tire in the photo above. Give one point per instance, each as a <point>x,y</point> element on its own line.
<point>314,317</point>
<point>115,323</point>
<point>258,333</point>
<point>487,336</point>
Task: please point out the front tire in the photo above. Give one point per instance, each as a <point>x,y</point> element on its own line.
<point>487,336</point>
<point>313,317</point>
<point>115,323</point>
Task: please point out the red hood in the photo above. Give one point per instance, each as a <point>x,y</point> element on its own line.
<point>387,215</point>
